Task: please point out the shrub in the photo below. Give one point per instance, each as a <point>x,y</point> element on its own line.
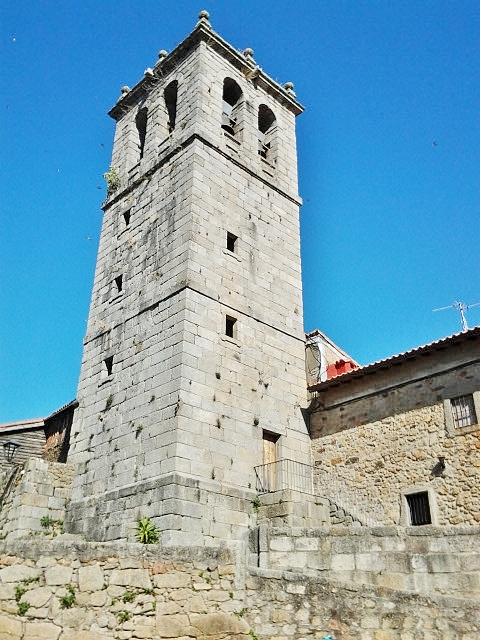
<point>147,532</point>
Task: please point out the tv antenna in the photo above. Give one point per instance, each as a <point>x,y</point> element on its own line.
<point>462,307</point>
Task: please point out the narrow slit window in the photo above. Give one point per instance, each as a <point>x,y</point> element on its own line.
<point>230,327</point>
<point>231,242</point>
<point>119,283</point>
<point>419,508</point>
<point>126,217</point>
<point>109,365</point>
<point>141,123</point>
<point>463,411</point>
<point>170,97</point>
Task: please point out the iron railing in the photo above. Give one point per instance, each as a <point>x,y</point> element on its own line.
<point>284,474</point>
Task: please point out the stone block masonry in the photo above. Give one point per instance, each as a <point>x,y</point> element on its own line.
<point>41,490</point>
<point>431,560</point>
<point>168,395</point>
<point>73,590</point>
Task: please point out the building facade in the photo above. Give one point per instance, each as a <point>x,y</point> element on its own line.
<point>398,441</point>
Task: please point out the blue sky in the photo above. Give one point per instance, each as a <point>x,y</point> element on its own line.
<point>388,147</point>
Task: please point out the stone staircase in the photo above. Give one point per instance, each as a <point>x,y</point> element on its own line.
<point>348,505</point>
<point>340,516</point>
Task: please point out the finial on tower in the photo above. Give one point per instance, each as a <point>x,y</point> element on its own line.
<point>288,86</point>
<point>248,53</point>
<point>125,90</point>
<point>204,18</point>
<point>162,54</point>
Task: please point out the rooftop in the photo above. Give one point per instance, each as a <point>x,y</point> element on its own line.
<point>399,359</point>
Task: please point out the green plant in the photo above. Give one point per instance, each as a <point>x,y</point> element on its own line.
<point>46,522</point>
<point>19,591</point>
<point>109,402</point>
<point>230,595</point>
<point>252,633</point>
<point>240,613</point>
<point>68,601</point>
<point>23,607</point>
<point>52,527</point>
<point>113,181</point>
<point>123,616</point>
<point>128,596</point>
<point>30,580</point>
<point>255,503</point>
<point>148,591</point>
<point>147,532</point>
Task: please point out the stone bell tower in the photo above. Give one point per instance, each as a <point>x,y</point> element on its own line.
<point>193,363</point>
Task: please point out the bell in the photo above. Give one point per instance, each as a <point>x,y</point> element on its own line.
<point>227,124</point>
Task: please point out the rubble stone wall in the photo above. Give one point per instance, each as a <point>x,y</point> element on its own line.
<point>66,590</point>
<point>381,437</point>
<point>384,458</point>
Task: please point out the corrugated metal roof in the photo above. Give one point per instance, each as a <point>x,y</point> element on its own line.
<point>437,345</point>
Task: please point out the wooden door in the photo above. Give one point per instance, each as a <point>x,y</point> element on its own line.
<point>269,459</point>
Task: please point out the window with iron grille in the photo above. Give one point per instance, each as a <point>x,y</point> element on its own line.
<point>419,508</point>
<point>463,411</point>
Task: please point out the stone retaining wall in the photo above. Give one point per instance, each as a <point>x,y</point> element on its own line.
<point>444,560</point>
<point>41,489</point>
<point>70,590</point>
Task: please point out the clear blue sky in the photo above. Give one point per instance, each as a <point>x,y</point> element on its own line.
<point>389,157</point>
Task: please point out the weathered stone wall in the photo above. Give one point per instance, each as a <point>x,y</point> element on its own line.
<point>41,490</point>
<point>383,434</point>
<point>428,560</point>
<point>183,400</point>
<point>66,590</point>
<point>385,457</point>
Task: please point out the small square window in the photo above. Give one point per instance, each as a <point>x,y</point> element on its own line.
<point>419,508</point>
<point>463,411</point>
<point>109,365</point>
<point>231,242</point>
<point>126,217</point>
<point>230,328</point>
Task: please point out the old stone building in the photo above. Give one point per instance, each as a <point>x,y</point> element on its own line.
<point>398,441</point>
